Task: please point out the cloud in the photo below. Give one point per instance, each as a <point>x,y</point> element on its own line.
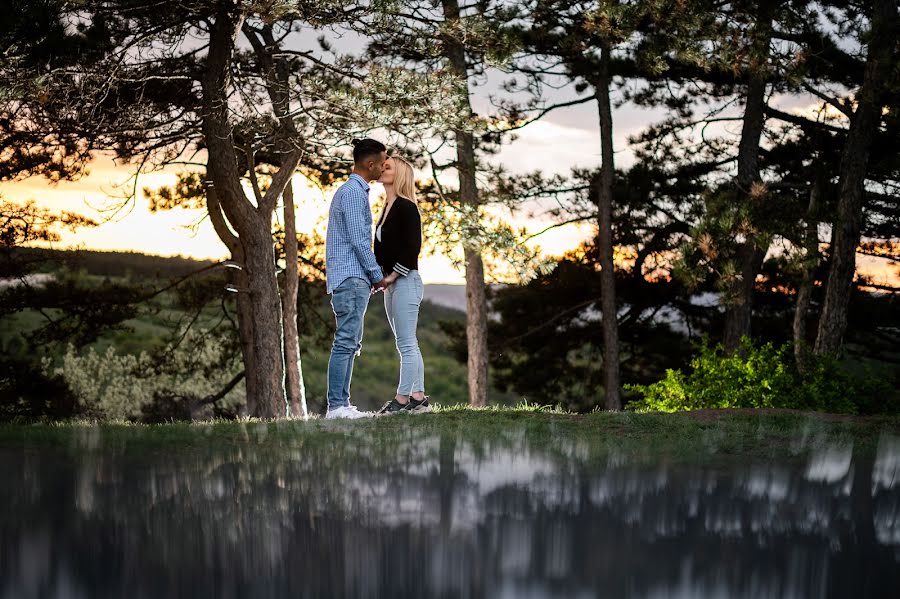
<point>551,148</point>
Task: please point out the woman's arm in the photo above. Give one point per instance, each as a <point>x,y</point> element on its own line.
<point>409,238</point>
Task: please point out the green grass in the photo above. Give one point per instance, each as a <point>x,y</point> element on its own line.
<point>684,437</point>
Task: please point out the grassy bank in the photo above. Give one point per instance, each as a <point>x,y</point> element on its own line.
<point>700,436</point>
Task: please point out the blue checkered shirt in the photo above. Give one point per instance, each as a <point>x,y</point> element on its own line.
<point>348,241</point>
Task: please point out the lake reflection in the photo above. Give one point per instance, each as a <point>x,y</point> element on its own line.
<point>444,518</point>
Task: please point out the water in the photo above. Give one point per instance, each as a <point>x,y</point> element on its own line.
<point>513,516</point>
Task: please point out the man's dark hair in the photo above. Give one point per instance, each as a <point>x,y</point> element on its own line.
<point>366,148</point>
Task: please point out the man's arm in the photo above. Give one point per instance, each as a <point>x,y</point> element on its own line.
<point>356,206</point>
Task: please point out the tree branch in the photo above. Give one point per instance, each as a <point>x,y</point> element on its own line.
<point>557,225</point>
<point>548,109</point>
<point>801,121</point>
<point>254,180</point>
<point>225,390</point>
<point>833,102</point>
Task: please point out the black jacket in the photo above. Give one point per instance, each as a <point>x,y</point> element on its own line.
<point>401,238</point>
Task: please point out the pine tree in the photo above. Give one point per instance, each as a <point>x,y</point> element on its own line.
<point>881,77</point>
<point>465,41</point>
<point>147,92</point>
<point>596,42</point>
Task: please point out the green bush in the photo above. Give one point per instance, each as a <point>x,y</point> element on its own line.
<point>121,386</point>
<point>762,377</point>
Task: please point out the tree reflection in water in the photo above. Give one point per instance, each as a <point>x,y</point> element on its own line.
<point>449,517</point>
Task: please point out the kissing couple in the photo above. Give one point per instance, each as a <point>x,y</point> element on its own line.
<point>355,270</point>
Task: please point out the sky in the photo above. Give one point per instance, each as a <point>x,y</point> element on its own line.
<point>545,145</point>
<point>563,139</point>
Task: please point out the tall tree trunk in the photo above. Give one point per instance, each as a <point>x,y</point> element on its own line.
<point>265,306</point>
<point>252,223</point>
<point>750,253</point>
<point>245,332</point>
<point>476,298</point>
<point>265,45</point>
<point>239,280</point>
<point>807,277</point>
<point>476,328</point>
<point>296,390</point>
<point>854,164</point>
<point>609,311</point>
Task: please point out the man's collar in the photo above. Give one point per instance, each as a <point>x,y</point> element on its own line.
<point>361,181</point>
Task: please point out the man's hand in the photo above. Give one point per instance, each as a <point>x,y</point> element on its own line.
<point>385,282</point>
<point>380,285</point>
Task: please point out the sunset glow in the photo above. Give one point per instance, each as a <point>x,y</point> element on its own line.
<point>186,232</point>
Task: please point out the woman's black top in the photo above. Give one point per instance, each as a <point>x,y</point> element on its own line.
<point>401,238</point>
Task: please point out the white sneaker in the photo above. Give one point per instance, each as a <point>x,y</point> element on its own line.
<point>347,412</point>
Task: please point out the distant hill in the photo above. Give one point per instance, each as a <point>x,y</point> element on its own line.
<point>120,264</point>
<point>448,296</point>
<point>138,265</point>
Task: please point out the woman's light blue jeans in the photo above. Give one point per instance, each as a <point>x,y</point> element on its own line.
<point>401,304</point>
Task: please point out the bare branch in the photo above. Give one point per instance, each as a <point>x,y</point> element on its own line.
<point>579,219</point>
<point>833,102</point>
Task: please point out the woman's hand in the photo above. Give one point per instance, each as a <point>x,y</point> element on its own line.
<point>389,280</point>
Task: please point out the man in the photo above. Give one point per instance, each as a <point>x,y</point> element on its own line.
<point>351,271</point>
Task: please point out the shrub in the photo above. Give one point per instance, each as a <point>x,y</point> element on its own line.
<point>126,386</point>
<point>831,387</point>
<point>760,377</point>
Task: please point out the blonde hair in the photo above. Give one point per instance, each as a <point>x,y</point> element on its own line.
<point>404,178</point>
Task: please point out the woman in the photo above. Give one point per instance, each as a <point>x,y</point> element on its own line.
<point>398,240</point>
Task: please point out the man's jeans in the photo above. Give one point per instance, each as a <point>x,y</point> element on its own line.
<point>401,304</point>
<point>349,302</point>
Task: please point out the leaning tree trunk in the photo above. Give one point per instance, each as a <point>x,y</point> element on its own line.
<point>750,253</point>
<point>239,279</point>
<point>296,390</point>
<point>277,73</point>
<point>807,276</point>
<point>252,223</point>
<point>854,164</point>
<point>476,298</point>
<point>608,309</point>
